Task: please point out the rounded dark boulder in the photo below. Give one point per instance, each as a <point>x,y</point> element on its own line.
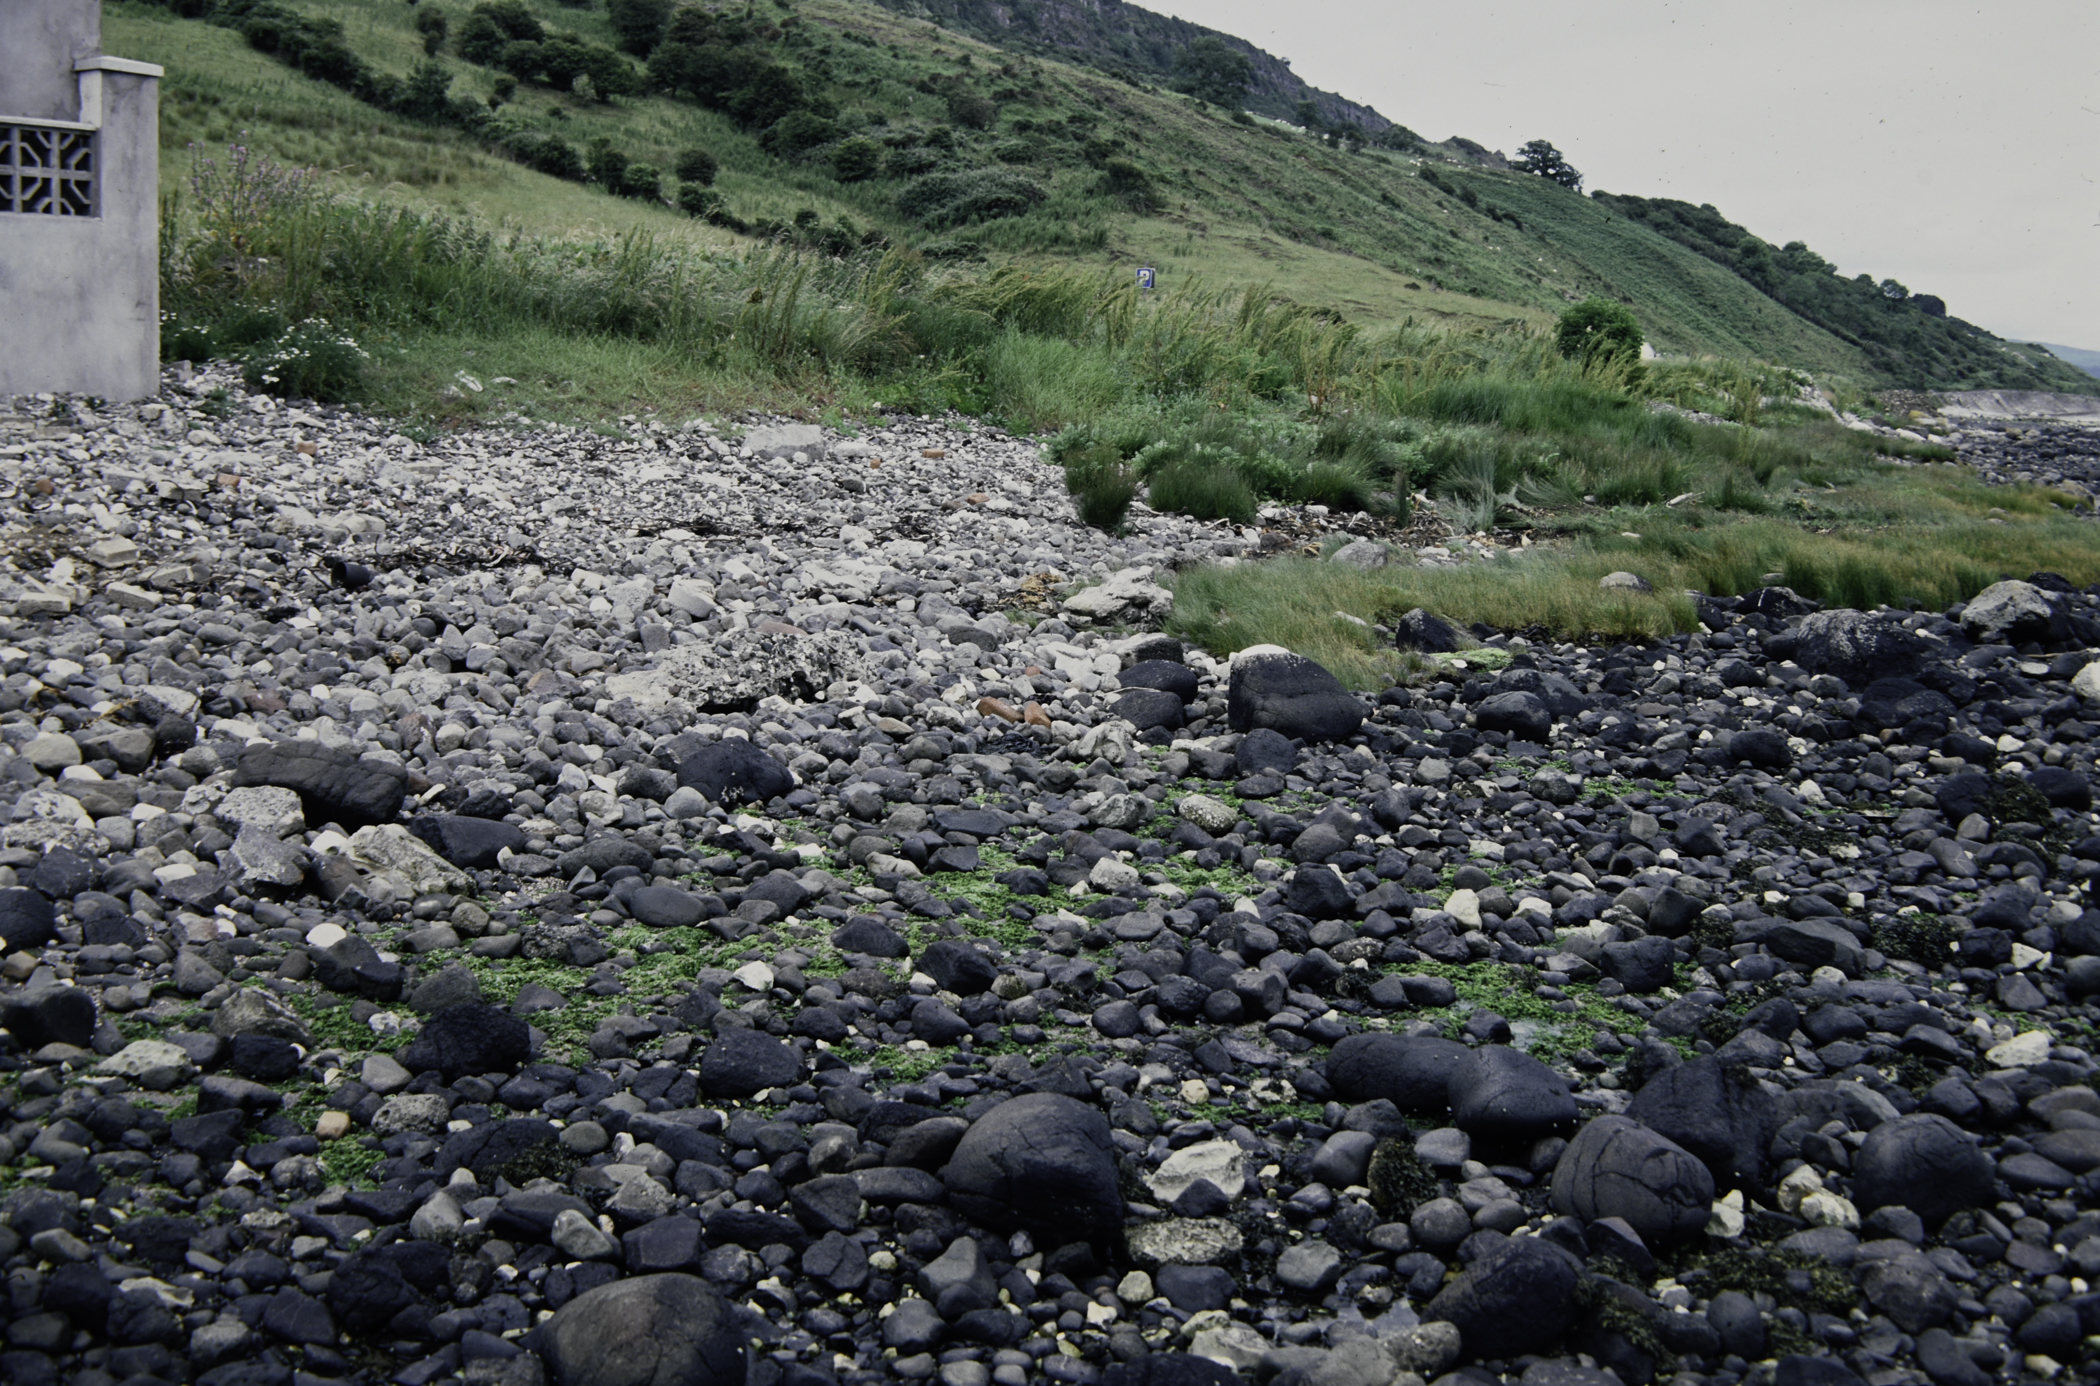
<point>333,783</point>
<point>61,1015</point>
<point>2063,787</point>
<point>958,966</point>
<point>1518,714</point>
<point>494,1146</point>
<point>869,935</point>
<point>733,770</point>
<point>1163,675</point>
<point>353,965</point>
<point>1264,752</point>
<point>1517,1299</point>
<point>1044,1162</point>
<point>1856,646</point>
<point>1618,1168</point>
<point>469,1039</point>
<point>666,907</point>
<point>1288,693</point>
<point>473,843</point>
<point>26,918</point>
<point>1171,1369</point>
<point>1924,1163</point>
<point>1319,893</point>
<point>744,1062</point>
<point>1413,1072</point>
<point>1424,631</point>
<point>1761,748</point>
<point>1716,1111</point>
<point>1888,703</point>
<point>1149,708</point>
<point>1643,965</point>
<point>670,1329</point>
<point>1499,1093</point>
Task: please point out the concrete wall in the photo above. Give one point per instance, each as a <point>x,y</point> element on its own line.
<point>40,40</point>
<point>80,296</point>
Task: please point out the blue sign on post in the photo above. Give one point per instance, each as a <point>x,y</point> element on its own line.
<point>1146,278</point>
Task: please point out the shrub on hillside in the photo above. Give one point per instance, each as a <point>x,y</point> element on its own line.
<point>1210,69</point>
<point>608,165</point>
<point>696,166</point>
<point>856,160</point>
<point>910,163</point>
<point>972,111</point>
<point>970,194</point>
<point>796,131</point>
<point>643,181</point>
<point>1597,329</point>
<point>697,201</point>
<point>1126,180</point>
<point>1541,158</point>
<point>315,47</point>
<point>550,154</point>
<point>426,94</point>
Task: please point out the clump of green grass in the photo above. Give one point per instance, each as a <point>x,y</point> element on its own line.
<point>1292,601</point>
<point>1874,535</point>
<point>1102,487</point>
<point>1211,463</point>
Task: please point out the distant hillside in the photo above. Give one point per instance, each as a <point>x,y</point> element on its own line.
<point>1909,337</point>
<point>1120,38</point>
<point>2087,361</point>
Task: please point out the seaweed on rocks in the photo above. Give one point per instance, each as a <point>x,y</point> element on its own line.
<point>1398,1180</point>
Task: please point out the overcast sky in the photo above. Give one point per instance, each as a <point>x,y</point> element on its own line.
<point>1952,146</point>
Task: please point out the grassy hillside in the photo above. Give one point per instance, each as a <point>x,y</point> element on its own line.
<point>1137,44</point>
<point>1909,338</point>
<point>1125,176</point>
<point>2087,361</point>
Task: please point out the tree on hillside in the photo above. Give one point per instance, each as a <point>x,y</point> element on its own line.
<point>1540,157</point>
<point>432,25</point>
<point>493,24</point>
<point>638,23</point>
<point>1346,135</point>
<point>1210,70</point>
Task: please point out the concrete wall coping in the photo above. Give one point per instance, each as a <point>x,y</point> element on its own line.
<point>45,123</point>
<point>103,62</point>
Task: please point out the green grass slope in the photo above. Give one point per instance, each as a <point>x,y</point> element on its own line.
<point>1122,175</point>
<point>1909,338</point>
<point>2087,361</point>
